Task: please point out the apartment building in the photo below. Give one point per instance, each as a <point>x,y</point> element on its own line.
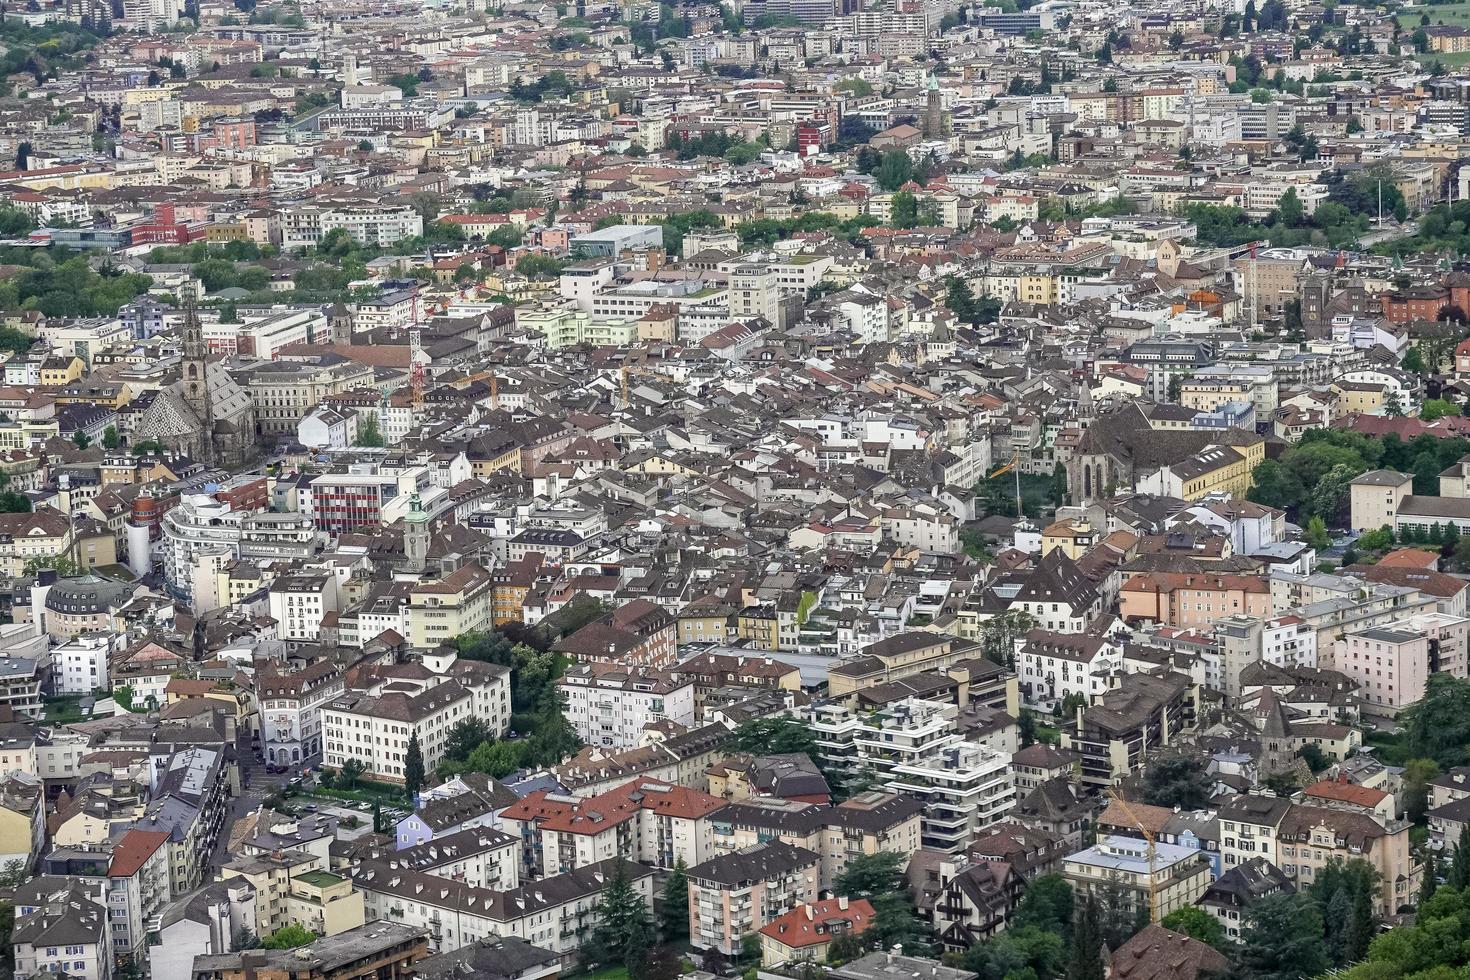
<point>1301,839</point>
<point>1050,667</point>
<point>558,913</point>
<point>870,822</point>
<point>1172,878</point>
<point>1141,714</point>
<point>60,930</point>
<point>1391,665</point>
<point>370,225</point>
<point>375,728</point>
<point>299,602</point>
<point>290,706</point>
<point>741,892</point>
<point>644,820</point>
<point>1192,600</point>
<point>611,705</point>
<point>460,602</point>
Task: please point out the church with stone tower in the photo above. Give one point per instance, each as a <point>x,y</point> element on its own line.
<point>205,415</point>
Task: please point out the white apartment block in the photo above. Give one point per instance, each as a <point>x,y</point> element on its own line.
<point>376,728</point>
<point>913,747</point>
<point>370,225</point>
<point>80,664</point>
<point>611,706</point>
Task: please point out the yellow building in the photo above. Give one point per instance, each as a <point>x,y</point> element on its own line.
<point>324,903</point>
<point>1219,469</point>
<point>1073,537</point>
<point>61,370</point>
<point>458,603</point>
<point>706,620</point>
<point>760,626</point>
<point>1360,398</point>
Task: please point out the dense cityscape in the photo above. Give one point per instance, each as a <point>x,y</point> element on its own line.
<point>778,490</point>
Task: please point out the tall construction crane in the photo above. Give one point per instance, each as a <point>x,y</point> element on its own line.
<point>1153,903</point>
<point>416,368</point>
<point>1013,466</point>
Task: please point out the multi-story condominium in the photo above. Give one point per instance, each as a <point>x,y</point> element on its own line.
<point>611,705</point>
<point>460,602</point>
<point>558,913</point>
<point>644,820</point>
<point>1130,722</point>
<point>1392,662</point>
<point>375,727</point>
<point>1166,875</point>
<point>291,711</point>
<point>79,666</point>
<point>1301,839</point>
<point>914,747</point>
<point>740,892</point>
<point>59,929</point>
<point>294,887</point>
<point>298,602</point>
<point>1052,666</point>
<point>868,823</point>
<point>137,888</point>
<point>200,534</point>
<point>368,224</point>
<point>386,949</point>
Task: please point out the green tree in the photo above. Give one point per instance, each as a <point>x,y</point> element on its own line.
<point>413,766</point>
<point>1317,535</point>
<point>1282,939</point>
<point>368,435</point>
<point>1430,881</point>
<point>1458,877</point>
<point>1290,210</point>
<point>288,937</point>
<point>352,771</point>
<point>895,170</point>
<point>1087,942</point>
<point>959,299</point>
<point>1437,726</point>
<point>1196,923</point>
<point>870,875</point>
<point>904,210</point>
<point>676,905</point>
<point>1417,774</point>
<point>1048,905</point>
<point>1276,485</point>
<point>1437,408</point>
<point>81,439</point>
<point>1176,779</point>
<point>623,932</point>
<point>110,439</point>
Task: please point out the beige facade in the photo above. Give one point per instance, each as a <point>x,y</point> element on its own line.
<point>1173,878</point>
<point>1375,498</point>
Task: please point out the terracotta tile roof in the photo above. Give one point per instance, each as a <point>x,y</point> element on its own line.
<point>133,849</point>
<point>811,924</point>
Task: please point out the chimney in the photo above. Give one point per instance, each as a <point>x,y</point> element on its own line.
<point>842,903</point>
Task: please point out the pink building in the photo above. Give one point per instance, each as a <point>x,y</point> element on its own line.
<point>1392,665</point>
<point>736,894</point>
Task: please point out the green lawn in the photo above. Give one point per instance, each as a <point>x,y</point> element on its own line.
<point>1450,14</point>
<point>1456,60</point>
<point>618,972</point>
<point>63,710</point>
<point>364,792</point>
<point>1391,750</point>
<point>1048,734</point>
